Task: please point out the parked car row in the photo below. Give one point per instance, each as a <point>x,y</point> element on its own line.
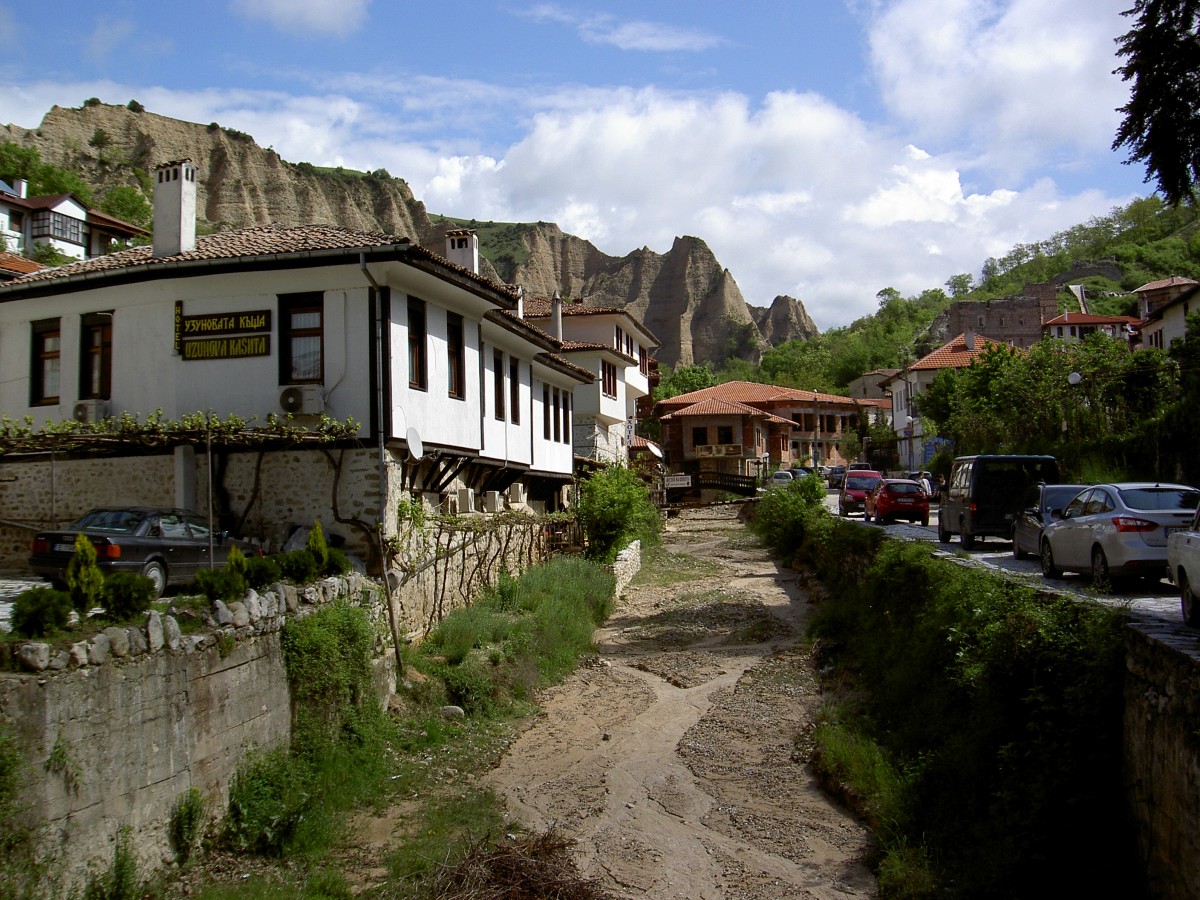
<point>1108,532</point>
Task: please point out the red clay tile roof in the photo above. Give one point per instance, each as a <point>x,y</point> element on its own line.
<point>715,407</point>
<point>954,353</point>
<point>541,308</point>
<point>246,245</point>
<point>1164,282</point>
<point>752,392</point>
<point>10,262</point>
<point>1076,318</point>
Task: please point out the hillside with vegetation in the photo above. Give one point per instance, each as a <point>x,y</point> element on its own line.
<point>1110,256</point>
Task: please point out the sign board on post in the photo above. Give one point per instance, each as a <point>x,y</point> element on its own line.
<point>677,481</point>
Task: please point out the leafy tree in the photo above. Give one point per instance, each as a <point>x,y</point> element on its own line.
<point>1161,127</point>
<point>959,285</point>
<point>48,255</point>
<point>128,204</point>
<point>684,380</point>
<point>100,139</point>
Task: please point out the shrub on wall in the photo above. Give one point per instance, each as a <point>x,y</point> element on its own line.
<point>85,581</point>
<point>40,612</point>
<point>126,594</point>
<point>262,571</point>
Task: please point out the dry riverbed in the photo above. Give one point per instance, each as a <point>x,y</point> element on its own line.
<point>677,759</point>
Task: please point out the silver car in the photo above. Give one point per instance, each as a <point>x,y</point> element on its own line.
<point>1115,530</point>
<point>1031,521</point>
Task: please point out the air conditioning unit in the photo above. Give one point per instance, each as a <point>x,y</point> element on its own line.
<point>466,501</point>
<point>516,493</point>
<point>491,502</point>
<point>90,411</point>
<point>302,400</point>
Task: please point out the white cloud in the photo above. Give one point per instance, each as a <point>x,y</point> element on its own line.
<point>108,37</point>
<point>1029,81</point>
<point>638,34</point>
<point>340,17</point>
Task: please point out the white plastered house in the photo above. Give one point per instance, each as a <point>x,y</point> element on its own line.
<point>459,401</point>
<point>618,351</point>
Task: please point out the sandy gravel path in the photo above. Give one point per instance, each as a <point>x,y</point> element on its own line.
<point>676,760</point>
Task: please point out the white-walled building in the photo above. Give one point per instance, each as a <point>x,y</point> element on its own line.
<point>468,404</point>
<point>61,221</point>
<point>617,350</point>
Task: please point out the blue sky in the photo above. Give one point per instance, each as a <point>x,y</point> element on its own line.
<point>824,149</point>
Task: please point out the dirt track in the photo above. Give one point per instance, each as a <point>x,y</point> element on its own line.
<point>677,759</point>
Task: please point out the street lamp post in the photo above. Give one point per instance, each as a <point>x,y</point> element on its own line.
<point>1074,380</point>
<point>908,432</point>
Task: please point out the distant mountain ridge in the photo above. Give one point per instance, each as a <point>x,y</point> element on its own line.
<point>684,296</point>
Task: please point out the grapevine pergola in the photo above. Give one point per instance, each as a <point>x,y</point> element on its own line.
<point>131,435</point>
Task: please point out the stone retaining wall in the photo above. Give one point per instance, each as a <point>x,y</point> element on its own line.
<point>1162,753</point>
<point>117,727</point>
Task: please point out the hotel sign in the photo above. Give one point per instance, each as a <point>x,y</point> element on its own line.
<point>223,335</point>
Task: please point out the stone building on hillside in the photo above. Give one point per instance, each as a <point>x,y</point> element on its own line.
<point>1016,321</point>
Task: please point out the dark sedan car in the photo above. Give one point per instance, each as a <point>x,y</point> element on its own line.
<point>1029,522</point>
<point>168,546</point>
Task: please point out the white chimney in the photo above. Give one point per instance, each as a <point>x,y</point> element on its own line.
<point>556,305</point>
<point>462,249</point>
<point>174,208</point>
<point>969,340</point>
<point>21,186</point>
<point>520,302</point>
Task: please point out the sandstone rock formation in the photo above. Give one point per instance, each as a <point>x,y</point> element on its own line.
<point>685,296</point>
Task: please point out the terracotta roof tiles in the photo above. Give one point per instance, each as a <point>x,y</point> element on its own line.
<point>954,353</point>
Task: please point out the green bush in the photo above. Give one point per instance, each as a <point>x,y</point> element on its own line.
<point>298,566</point>
<point>614,509</point>
<point>225,585</point>
<point>1002,707</point>
<point>39,612</point>
<point>126,595</point>
<point>187,820</point>
<point>262,571</point>
<point>336,562</point>
<point>85,581</point>
<point>316,545</point>
<point>524,632</point>
<point>268,798</point>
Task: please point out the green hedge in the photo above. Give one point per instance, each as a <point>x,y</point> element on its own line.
<point>999,707</point>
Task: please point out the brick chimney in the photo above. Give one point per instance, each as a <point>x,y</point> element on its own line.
<point>174,208</point>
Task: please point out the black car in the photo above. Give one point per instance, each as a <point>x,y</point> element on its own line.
<point>1027,526</point>
<point>168,546</point>
<point>837,474</point>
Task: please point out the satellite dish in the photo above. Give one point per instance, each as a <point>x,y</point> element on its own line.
<point>415,447</point>
<point>654,448</point>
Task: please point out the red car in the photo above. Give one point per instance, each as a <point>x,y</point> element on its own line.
<point>858,483</point>
<point>897,498</point>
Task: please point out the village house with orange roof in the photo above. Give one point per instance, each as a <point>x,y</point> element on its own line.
<point>745,429</point>
<point>1075,326</point>
<point>910,382</point>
